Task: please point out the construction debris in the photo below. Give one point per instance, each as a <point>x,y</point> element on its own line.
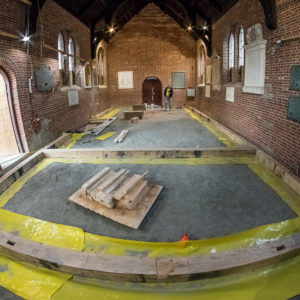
<point>112,194</point>
<point>121,136</point>
<point>102,126</point>
<point>134,120</point>
<point>129,114</point>
<point>138,107</point>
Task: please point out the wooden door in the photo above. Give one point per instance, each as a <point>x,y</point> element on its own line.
<point>8,142</point>
<point>152,91</point>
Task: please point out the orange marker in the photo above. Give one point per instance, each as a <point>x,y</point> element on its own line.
<point>185,238</point>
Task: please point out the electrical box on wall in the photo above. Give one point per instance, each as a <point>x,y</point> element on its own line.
<point>294,108</point>
<point>44,79</point>
<point>295,78</point>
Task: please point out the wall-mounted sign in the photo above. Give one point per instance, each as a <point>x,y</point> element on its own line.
<point>73,97</point>
<point>125,80</point>
<point>294,108</point>
<point>295,78</point>
<point>44,79</point>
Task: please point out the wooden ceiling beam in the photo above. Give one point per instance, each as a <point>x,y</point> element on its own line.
<point>269,7</point>
<point>86,7</point>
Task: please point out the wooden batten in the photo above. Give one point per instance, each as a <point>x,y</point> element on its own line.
<point>148,269</point>
<point>149,153</point>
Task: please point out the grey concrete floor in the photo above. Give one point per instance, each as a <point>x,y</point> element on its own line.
<point>8,295</point>
<point>205,201</point>
<point>157,129</point>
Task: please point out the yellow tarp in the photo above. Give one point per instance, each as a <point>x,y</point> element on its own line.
<point>42,231</point>
<point>105,136</point>
<point>108,115</point>
<point>29,282</point>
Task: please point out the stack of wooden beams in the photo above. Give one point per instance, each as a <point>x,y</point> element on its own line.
<point>114,195</point>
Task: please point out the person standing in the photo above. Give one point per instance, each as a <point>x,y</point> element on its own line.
<point>168,94</point>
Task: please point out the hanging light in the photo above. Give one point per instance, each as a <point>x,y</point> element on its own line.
<point>25,38</point>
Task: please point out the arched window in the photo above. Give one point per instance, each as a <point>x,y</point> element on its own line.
<point>241,47</point>
<point>71,49</point>
<point>202,66</point>
<point>71,52</point>
<point>87,76</point>
<point>231,51</point>
<point>61,49</point>
<point>101,66</point>
<point>95,77</point>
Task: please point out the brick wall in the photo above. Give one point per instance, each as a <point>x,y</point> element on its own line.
<point>150,44</point>
<point>262,119</point>
<point>51,107</point>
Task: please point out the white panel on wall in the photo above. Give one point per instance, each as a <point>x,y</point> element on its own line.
<point>178,80</point>
<point>230,94</point>
<point>216,71</point>
<point>190,92</point>
<point>73,97</point>
<point>125,80</point>
<point>255,61</point>
<point>207,91</point>
<point>208,74</point>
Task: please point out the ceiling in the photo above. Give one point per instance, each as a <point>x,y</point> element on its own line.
<point>100,15</point>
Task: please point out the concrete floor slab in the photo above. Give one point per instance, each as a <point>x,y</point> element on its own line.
<point>157,129</point>
<point>205,201</point>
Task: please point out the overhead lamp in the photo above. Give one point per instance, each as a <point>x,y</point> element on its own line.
<point>189,28</point>
<point>111,29</point>
<point>25,38</point>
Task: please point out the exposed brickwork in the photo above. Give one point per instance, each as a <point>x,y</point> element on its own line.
<point>261,119</point>
<point>151,44</point>
<point>51,107</point>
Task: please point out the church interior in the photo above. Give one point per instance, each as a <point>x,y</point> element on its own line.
<point>149,149</point>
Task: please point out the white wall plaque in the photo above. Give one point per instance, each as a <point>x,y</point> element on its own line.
<point>230,94</point>
<point>255,61</point>
<point>125,80</point>
<point>207,91</point>
<point>208,75</point>
<point>73,97</point>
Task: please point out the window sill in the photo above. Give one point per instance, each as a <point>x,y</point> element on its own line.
<point>68,88</point>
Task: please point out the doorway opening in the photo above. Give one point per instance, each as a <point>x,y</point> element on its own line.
<point>10,143</point>
<point>152,91</point>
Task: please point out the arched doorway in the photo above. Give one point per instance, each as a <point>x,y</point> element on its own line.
<point>8,129</point>
<point>152,91</point>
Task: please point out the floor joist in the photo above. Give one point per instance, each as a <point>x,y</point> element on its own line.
<point>156,269</point>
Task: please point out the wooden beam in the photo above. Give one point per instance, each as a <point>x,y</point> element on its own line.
<point>149,153</point>
<point>148,269</point>
<point>9,35</point>
<point>26,2</point>
<point>269,7</point>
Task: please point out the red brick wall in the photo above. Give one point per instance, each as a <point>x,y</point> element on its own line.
<point>51,107</point>
<point>150,44</point>
<point>262,119</point>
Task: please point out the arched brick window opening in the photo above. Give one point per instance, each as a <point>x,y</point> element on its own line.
<point>241,54</point>
<point>61,58</point>
<point>202,66</point>
<point>9,133</point>
<point>101,66</point>
<point>230,55</point>
<point>87,76</point>
<point>71,53</point>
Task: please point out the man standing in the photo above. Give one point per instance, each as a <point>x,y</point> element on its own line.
<point>168,94</point>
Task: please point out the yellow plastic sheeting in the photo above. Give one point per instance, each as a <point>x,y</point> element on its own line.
<point>108,115</point>
<point>221,136</point>
<point>279,281</point>
<point>29,282</point>
<point>105,136</point>
<point>256,236</point>
<point>42,231</point>
<point>75,137</point>
<point>280,187</point>
<point>16,186</point>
